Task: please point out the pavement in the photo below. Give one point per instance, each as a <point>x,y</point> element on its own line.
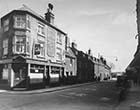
<point>132,98</point>
<point>47,89</point>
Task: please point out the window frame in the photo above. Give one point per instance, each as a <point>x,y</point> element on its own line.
<point>16,37</point>
<point>41,29</point>
<point>6,25</point>
<point>59,55</point>
<point>22,21</point>
<point>5,46</point>
<point>42,49</point>
<point>59,37</point>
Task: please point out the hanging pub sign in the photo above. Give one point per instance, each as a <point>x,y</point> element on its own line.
<point>37,49</point>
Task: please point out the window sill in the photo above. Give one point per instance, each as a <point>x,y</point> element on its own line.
<point>59,43</point>
<point>42,35</point>
<point>60,61</point>
<point>41,57</point>
<point>19,27</point>
<point>19,53</point>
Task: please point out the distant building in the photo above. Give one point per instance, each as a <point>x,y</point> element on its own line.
<point>85,65</point>
<point>102,70</point>
<point>32,49</point>
<point>70,64</point>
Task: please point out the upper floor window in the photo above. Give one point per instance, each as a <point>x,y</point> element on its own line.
<point>28,44</point>
<point>19,44</point>
<point>59,54</point>
<point>40,49</point>
<point>59,37</point>
<point>20,21</point>
<point>6,25</point>
<point>41,29</point>
<point>5,47</point>
<point>28,25</point>
<point>71,62</point>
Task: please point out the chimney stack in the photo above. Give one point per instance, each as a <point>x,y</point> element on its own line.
<point>89,51</point>
<point>74,45</point>
<point>49,16</point>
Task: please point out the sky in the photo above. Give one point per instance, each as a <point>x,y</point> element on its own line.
<point>107,27</point>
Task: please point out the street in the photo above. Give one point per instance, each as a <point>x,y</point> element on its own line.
<point>96,96</point>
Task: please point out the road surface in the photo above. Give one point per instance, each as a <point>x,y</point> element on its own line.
<point>96,96</point>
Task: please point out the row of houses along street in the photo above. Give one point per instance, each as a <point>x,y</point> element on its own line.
<point>34,51</point>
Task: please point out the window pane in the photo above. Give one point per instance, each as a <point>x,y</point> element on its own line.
<point>42,51</point>
<point>27,45</point>
<point>59,54</point>
<point>20,21</point>
<point>20,44</point>
<point>5,46</point>
<point>59,37</point>
<point>6,25</point>
<point>28,22</point>
<point>41,29</point>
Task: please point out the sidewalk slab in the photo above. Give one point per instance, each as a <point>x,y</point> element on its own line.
<point>135,106</point>
<point>130,102</point>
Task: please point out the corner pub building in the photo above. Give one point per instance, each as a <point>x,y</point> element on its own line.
<point>32,49</point>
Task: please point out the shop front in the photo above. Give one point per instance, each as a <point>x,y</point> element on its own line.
<point>13,75</point>
<point>24,73</point>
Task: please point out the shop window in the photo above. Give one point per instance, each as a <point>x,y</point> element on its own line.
<point>6,25</point>
<point>55,70</point>
<point>41,29</point>
<point>20,21</point>
<point>36,69</point>
<point>59,37</point>
<point>5,47</point>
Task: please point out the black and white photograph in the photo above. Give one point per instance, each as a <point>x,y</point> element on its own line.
<point>69,54</point>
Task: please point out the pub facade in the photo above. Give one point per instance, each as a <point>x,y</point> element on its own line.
<point>32,49</point>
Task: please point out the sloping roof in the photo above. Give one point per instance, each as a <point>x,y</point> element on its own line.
<point>33,13</point>
<point>135,62</point>
<point>26,8</point>
<point>70,53</point>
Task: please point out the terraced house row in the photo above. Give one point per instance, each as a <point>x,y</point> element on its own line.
<point>34,51</point>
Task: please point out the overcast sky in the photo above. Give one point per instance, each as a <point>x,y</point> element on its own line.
<point>107,27</point>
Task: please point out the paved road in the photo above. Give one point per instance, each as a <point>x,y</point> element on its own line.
<point>99,96</point>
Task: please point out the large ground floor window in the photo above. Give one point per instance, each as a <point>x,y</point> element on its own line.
<point>36,73</point>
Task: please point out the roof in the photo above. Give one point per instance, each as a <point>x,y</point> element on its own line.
<point>25,8</point>
<point>33,13</point>
<point>70,53</point>
<point>135,62</point>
